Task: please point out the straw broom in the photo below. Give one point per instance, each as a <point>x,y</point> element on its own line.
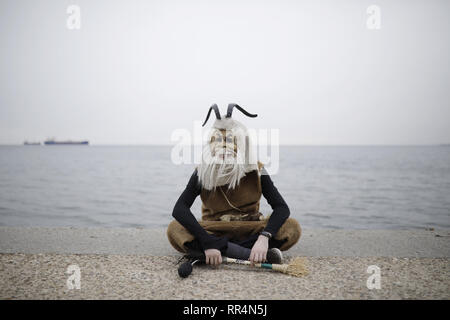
<point>295,268</point>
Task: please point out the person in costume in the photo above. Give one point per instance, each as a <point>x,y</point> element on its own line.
<point>230,182</point>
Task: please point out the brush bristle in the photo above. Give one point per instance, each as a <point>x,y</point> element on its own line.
<point>297,267</point>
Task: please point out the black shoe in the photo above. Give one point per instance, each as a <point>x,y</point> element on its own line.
<point>274,255</point>
<point>193,256</point>
<point>196,255</point>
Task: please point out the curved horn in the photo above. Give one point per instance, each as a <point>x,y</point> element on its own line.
<point>233,105</point>
<point>216,110</point>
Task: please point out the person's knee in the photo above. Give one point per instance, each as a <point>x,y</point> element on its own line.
<point>178,236</point>
<point>294,226</point>
<point>172,229</point>
<point>291,231</point>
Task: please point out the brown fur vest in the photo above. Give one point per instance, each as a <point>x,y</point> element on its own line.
<point>239,204</point>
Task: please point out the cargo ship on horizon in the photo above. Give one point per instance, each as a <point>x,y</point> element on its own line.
<point>70,142</point>
<point>27,143</point>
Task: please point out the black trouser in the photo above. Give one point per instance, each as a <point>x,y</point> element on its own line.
<point>246,243</point>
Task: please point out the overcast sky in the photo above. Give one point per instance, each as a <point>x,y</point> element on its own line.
<point>137,70</point>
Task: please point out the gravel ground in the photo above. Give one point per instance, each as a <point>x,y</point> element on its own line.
<point>110,276</point>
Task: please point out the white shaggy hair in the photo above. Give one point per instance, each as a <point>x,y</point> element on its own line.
<point>221,164</point>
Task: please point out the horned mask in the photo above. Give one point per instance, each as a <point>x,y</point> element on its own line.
<point>228,153</point>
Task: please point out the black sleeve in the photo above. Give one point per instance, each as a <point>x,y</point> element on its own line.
<point>182,213</point>
<point>280,209</point>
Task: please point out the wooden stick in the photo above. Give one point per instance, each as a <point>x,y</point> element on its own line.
<point>295,268</point>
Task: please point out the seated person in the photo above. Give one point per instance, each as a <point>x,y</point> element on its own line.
<point>230,187</point>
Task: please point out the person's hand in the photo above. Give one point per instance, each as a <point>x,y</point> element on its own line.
<point>259,250</point>
<point>213,256</point>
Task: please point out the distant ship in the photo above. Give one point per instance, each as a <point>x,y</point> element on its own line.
<point>54,142</point>
<point>26,143</point>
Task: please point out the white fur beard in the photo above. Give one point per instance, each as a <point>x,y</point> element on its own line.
<point>215,171</point>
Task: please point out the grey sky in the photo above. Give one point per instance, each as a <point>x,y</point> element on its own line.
<point>137,70</point>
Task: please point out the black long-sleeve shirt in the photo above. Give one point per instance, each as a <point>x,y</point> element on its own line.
<point>182,212</point>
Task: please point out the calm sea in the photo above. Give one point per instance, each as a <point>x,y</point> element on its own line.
<point>350,187</point>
